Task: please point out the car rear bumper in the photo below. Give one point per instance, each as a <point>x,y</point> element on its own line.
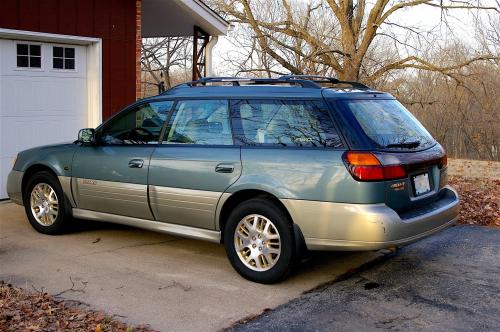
<point>14,186</point>
<point>343,226</point>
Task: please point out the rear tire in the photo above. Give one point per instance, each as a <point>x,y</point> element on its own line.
<point>45,204</point>
<point>259,241</point>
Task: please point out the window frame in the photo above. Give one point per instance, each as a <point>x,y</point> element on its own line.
<point>133,108</point>
<point>171,118</point>
<point>236,123</point>
<point>64,47</point>
<point>29,68</point>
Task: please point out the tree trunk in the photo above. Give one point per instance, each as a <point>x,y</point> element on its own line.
<point>350,71</point>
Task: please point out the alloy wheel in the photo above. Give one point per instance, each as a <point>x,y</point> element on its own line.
<point>44,204</point>
<point>257,242</point>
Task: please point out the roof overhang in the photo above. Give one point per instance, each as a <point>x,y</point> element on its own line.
<point>169,18</point>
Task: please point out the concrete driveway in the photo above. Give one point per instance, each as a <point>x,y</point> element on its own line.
<point>168,282</point>
<point>447,282</point>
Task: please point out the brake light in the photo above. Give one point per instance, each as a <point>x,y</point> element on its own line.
<point>443,163</point>
<point>364,166</point>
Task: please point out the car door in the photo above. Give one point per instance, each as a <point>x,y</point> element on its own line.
<point>195,164</point>
<point>111,177</point>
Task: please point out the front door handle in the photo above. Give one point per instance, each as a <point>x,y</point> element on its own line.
<point>224,168</point>
<point>136,163</point>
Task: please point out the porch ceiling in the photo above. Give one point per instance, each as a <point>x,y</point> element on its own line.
<point>168,18</point>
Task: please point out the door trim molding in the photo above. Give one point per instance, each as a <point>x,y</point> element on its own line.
<point>162,227</point>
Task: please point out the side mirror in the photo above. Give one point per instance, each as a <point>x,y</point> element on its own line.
<point>86,136</point>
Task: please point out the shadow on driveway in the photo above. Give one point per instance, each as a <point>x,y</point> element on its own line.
<point>448,282</point>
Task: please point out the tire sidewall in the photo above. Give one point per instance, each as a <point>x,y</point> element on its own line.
<point>284,226</point>
<point>59,225</point>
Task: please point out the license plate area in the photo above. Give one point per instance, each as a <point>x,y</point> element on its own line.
<point>421,184</point>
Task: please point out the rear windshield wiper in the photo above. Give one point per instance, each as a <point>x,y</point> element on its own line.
<point>409,145</point>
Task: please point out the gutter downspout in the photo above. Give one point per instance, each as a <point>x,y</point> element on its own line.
<point>209,56</point>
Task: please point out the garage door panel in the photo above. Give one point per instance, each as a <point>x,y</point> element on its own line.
<point>27,96</point>
<point>17,135</point>
<point>39,106</point>
<point>8,66</point>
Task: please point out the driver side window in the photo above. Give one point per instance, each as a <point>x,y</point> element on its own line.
<point>140,126</point>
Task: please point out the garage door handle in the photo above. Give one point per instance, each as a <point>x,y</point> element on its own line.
<point>224,168</point>
<point>136,163</point>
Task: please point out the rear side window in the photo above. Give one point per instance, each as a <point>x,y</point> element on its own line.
<point>287,123</point>
<point>203,122</point>
<point>389,125</point>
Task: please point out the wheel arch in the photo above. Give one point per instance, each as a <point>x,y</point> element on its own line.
<point>30,171</point>
<point>243,195</point>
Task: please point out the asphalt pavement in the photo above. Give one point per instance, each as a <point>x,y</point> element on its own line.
<point>447,282</point>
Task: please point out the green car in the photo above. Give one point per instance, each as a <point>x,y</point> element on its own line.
<point>268,167</point>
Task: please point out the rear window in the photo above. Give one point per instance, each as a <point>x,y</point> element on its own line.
<point>286,123</point>
<point>389,125</point>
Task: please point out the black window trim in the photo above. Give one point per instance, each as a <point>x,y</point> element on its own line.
<point>63,58</point>
<point>169,122</point>
<point>277,146</point>
<point>29,43</point>
<point>131,108</point>
<point>230,100</point>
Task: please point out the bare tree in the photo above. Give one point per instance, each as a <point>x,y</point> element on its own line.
<point>338,36</point>
<point>163,57</point>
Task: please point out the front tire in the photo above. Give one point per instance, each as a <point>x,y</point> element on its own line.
<point>45,204</point>
<point>259,241</point>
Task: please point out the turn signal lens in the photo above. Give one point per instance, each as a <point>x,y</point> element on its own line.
<point>364,166</point>
<point>361,158</point>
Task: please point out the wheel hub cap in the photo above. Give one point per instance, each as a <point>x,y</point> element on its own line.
<point>257,242</point>
<point>44,204</point>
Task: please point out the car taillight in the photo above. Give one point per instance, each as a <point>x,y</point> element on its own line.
<point>364,166</point>
<point>443,163</point>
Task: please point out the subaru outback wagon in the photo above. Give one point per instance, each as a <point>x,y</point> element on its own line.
<point>265,166</point>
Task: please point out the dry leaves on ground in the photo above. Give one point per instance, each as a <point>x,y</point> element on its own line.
<point>480,201</point>
<point>21,310</point>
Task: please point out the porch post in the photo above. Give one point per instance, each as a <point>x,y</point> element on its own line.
<point>200,41</point>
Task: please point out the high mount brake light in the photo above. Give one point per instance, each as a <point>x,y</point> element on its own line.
<point>364,166</point>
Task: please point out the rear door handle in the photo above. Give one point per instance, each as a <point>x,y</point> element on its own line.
<point>136,163</point>
<point>224,168</point>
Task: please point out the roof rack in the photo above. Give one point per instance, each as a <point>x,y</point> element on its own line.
<point>237,80</point>
<point>305,81</point>
<point>323,79</point>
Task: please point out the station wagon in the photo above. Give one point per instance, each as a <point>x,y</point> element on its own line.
<point>268,167</point>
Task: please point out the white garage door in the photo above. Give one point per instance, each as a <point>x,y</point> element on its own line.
<point>43,97</point>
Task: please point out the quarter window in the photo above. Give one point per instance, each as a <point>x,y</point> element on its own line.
<point>204,122</point>
<point>29,56</point>
<point>140,126</point>
<point>63,57</point>
<point>284,123</point>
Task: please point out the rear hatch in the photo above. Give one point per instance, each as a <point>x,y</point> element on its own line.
<point>388,144</point>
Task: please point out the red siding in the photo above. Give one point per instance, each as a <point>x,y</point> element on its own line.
<point>112,20</point>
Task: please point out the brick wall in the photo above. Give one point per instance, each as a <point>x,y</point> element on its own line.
<point>138,42</point>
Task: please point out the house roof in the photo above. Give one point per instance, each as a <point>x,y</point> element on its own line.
<point>168,18</point>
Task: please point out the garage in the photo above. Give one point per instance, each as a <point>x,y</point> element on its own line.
<point>44,94</point>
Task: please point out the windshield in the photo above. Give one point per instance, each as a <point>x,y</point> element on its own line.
<point>389,125</point>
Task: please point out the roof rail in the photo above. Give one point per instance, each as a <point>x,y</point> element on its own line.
<point>324,79</point>
<point>305,81</point>
<point>237,80</point>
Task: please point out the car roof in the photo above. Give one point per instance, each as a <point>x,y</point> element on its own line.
<point>288,87</point>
